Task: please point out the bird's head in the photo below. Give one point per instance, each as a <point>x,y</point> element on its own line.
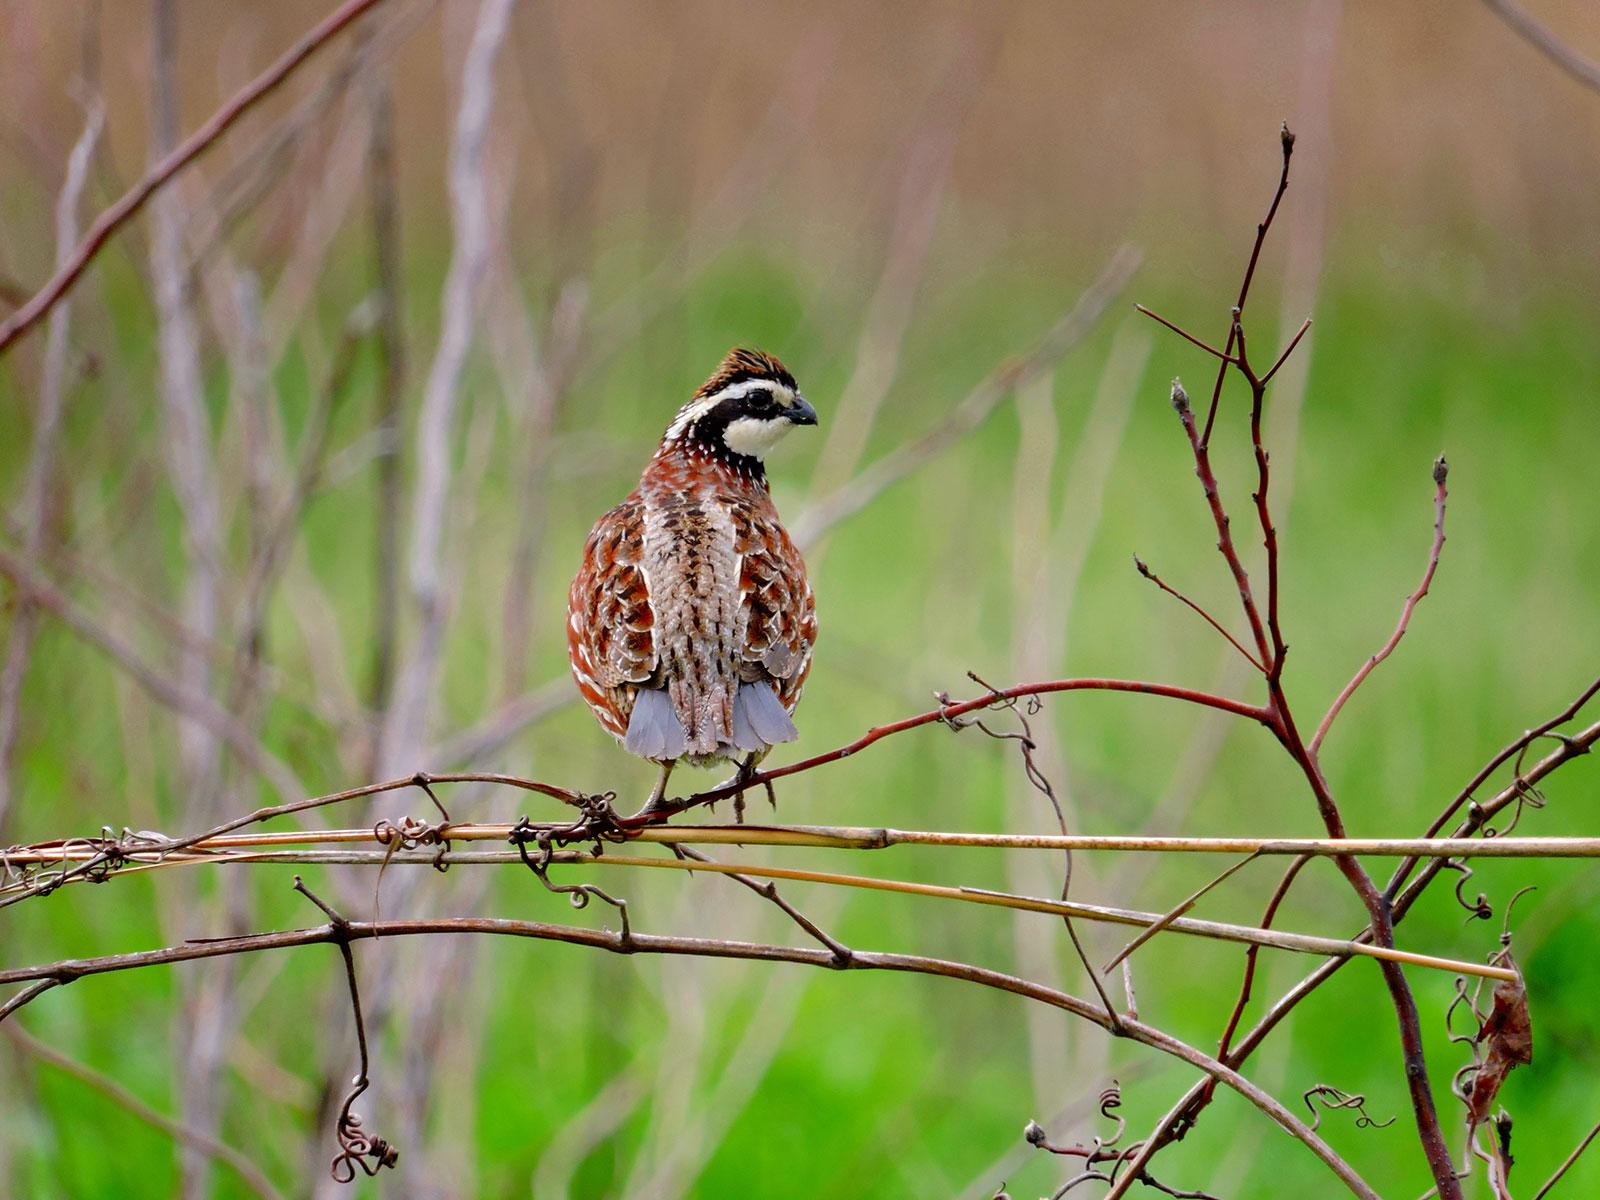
<point>743,410</point>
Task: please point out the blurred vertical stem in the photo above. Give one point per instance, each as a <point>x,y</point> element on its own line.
<point>35,508</point>
<point>384,207</point>
<point>200,1037</point>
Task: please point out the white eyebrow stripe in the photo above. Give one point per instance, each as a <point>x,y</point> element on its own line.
<point>736,391</point>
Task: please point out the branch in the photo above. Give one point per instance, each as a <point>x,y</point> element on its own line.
<point>1515,748</point>
<point>1441,471</point>
<point>1286,139</point>
<point>1219,517</point>
<point>948,712</point>
<point>1182,1114</point>
<point>523,832</point>
<point>850,498</point>
<point>68,970</point>
<point>1566,1164</point>
<point>113,218</point>
<point>254,1178</point>
<point>1144,570</point>
<point>1279,717</point>
<point>767,891</point>
<point>1585,70</point>
<point>35,506</point>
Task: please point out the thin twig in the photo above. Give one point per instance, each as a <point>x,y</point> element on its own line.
<point>252,1176</point>
<point>113,218</point>
<point>850,498</point>
<point>1143,568</point>
<point>1185,334</point>
<point>769,891</point>
<point>1178,910</point>
<point>1441,471</point>
<point>1566,1164</point>
<point>356,1147</point>
<point>1585,70</point>
<point>1287,351</point>
<point>1287,141</point>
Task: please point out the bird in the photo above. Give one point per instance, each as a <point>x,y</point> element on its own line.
<point>690,623</point>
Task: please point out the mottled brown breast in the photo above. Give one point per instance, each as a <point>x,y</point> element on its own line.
<point>691,585</point>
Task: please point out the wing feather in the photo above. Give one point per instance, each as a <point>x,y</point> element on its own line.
<point>610,620</point>
<point>777,609</point>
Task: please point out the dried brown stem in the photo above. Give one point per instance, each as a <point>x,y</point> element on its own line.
<point>769,891</point>
<point>402,843</point>
<point>69,970</point>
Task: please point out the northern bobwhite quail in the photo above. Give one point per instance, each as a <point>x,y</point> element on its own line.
<point>690,623</point>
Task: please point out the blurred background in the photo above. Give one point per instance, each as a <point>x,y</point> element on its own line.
<point>307,462</point>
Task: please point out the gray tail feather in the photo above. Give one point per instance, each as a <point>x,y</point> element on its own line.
<point>759,719</point>
<point>654,730</point>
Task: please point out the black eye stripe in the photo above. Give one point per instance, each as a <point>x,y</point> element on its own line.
<point>760,402</point>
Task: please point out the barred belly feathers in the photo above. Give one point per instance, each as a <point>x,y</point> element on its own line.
<point>690,623</point>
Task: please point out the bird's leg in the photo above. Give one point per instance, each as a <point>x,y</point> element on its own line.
<point>658,795</point>
<point>741,777</point>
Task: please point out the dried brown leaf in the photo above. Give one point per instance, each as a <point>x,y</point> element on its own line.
<point>1508,1036</point>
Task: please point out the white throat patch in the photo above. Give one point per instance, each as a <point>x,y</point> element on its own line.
<point>754,436</point>
<point>695,409</point>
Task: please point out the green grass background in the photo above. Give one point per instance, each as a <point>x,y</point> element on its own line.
<point>901,1086</point>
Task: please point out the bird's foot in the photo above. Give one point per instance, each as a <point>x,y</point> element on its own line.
<point>740,780</point>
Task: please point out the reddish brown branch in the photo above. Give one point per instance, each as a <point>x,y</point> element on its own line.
<point>1441,470</point>
<point>1183,1114</point>
<point>1143,569</point>
<point>948,712</point>
<point>591,805</point>
<point>1277,713</point>
<point>1219,517</point>
<point>1185,334</point>
<point>1516,747</point>
<point>1305,328</point>
<point>1286,139</point>
<point>131,201</point>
